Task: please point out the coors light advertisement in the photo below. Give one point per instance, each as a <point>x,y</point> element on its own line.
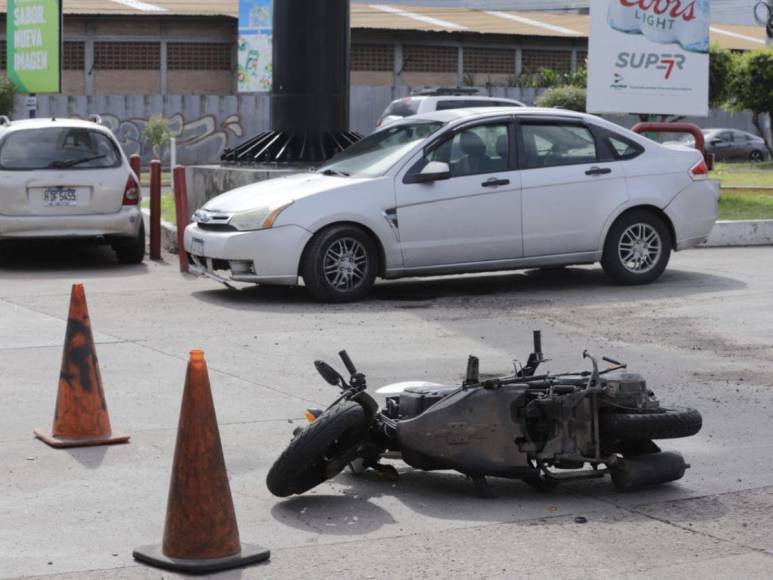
<point>649,56</point>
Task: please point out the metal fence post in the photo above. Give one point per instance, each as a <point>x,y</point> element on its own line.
<point>155,210</point>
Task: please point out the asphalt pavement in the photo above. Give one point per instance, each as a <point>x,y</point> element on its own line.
<point>702,336</point>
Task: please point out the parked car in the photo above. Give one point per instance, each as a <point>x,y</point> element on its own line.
<point>729,145</point>
<point>440,100</point>
<point>67,178</point>
<point>463,190</point>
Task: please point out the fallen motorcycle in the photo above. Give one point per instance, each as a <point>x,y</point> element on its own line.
<point>542,429</point>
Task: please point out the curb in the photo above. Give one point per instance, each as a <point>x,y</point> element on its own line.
<point>724,233</point>
<point>168,232</point>
<point>740,233</point>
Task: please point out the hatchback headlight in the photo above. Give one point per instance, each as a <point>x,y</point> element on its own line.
<point>259,218</point>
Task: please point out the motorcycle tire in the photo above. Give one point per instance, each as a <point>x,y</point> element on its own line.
<point>305,462</point>
<point>668,424</point>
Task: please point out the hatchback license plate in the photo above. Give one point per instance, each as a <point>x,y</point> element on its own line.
<point>57,196</point>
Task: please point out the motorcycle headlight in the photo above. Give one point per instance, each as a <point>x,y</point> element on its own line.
<point>260,218</point>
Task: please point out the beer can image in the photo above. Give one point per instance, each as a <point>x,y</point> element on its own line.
<point>682,22</point>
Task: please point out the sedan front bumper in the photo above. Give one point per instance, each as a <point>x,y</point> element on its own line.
<point>270,256</point>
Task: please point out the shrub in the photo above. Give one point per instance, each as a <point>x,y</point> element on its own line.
<point>565,97</point>
<point>7,96</point>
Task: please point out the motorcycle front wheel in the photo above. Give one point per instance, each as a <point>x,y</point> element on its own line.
<point>307,460</point>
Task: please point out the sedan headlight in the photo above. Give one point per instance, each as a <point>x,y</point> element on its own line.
<point>259,218</point>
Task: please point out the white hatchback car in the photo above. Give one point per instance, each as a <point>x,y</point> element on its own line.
<point>66,178</point>
<point>463,190</point>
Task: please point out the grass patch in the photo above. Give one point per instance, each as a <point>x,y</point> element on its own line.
<point>167,208</point>
<point>744,174</point>
<point>745,206</point>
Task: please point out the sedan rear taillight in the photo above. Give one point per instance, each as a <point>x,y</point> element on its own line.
<point>699,171</point>
<point>131,194</point>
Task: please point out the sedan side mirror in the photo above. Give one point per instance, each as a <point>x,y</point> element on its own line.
<point>433,171</point>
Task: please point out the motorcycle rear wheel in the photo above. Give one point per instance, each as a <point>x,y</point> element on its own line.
<point>668,424</point>
<point>306,461</point>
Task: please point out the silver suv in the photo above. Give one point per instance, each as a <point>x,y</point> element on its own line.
<point>440,100</point>
<point>67,178</point>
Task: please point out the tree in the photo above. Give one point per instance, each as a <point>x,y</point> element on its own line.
<point>750,88</point>
<point>7,97</point>
<point>720,75</point>
<point>157,133</point>
<point>565,97</point>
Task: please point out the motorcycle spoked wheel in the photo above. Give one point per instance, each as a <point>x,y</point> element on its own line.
<point>665,424</point>
<point>306,461</point>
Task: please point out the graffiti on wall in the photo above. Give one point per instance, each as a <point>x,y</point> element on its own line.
<point>198,140</point>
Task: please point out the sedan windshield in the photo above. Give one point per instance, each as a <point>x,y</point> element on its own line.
<point>58,148</point>
<point>374,155</point>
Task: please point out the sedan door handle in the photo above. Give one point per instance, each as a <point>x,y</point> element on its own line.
<point>494,182</point>
<point>598,171</point>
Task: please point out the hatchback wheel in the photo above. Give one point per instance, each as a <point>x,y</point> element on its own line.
<point>131,250</point>
<point>755,155</point>
<point>340,264</point>
<point>637,248</point>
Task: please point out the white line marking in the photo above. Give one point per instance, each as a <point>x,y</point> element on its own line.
<point>736,35</point>
<point>419,17</point>
<point>530,22</point>
<point>142,6</point>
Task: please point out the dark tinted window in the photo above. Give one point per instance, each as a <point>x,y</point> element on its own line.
<point>617,147</point>
<point>468,103</point>
<point>550,145</point>
<point>725,137</point>
<point>58,148</point>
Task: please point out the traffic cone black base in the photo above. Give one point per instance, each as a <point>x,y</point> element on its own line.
<point>153,556</point>
<point>62,442</point>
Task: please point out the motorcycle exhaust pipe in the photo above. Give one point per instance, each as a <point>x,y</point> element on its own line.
<point>645,470</point>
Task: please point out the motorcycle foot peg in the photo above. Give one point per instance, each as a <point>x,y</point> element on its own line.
<point>482,488</point>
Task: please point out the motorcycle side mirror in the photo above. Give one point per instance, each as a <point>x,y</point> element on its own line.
<point>329,373</point>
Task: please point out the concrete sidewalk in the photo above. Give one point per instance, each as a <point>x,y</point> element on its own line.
<point>703,337</point>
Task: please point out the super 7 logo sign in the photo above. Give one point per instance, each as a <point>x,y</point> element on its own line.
<point>642,60</point>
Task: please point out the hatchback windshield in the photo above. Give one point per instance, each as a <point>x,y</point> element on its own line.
<point>374,155</point>
<point>58,148</point>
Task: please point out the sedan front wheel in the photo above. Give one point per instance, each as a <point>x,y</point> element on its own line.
<point>637,248</point>
<point>340,264</point>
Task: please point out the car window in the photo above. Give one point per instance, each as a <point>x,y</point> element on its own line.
<point>480,149</point>
<point>740,136</point>
<point>725,137</point>
<point>402,108</point>
<point>550,145</point>
<point>467,103</point>
<point>374,155</point>
<point>619,148</point>
<point>58,148</point>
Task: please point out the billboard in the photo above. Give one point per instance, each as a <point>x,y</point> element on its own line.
<point>649,56</point>
<point>34,45</point>
<point>255,49</point>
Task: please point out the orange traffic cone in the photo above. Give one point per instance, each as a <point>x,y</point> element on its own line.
<point>81,417</point>
<point>200,535</point>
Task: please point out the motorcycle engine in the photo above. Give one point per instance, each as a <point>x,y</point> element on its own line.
<point>628,390</point>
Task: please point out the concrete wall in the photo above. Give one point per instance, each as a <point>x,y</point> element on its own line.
<point>205,125</point>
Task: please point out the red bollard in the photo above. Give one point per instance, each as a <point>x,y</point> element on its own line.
<point>135,162</point>
<point>181,211</point>
<point>155,210</point>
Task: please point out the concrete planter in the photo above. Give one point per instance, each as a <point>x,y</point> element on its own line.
<point>741,233</point>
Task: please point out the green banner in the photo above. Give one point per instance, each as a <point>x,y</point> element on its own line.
<point>34,45</point>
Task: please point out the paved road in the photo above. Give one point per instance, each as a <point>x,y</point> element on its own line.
<point>703,335</point>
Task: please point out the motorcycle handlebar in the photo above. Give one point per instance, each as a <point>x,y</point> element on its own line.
<point>347,362</point>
